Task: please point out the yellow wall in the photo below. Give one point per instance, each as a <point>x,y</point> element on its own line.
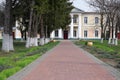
<point>90,26</point>
<point>91,19</point>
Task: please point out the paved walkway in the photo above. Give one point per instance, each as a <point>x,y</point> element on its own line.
<point>68,62</point>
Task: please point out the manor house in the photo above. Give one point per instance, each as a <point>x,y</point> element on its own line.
<point>84,25</point>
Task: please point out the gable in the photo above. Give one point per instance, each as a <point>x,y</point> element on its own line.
<point>76,10</point>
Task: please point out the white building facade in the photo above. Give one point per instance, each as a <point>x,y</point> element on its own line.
<point>84,25</point>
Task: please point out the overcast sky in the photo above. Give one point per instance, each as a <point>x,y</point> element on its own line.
<point>1,0</point>
<point>81,4</point>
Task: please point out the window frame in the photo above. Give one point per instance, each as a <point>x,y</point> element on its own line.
<point>75,19</point>
<point>75,33</point>
<point>96,34</point>
<point>96,20</point>
<point>85,20</point>
<point>85,33</point>
<point>56,33</point>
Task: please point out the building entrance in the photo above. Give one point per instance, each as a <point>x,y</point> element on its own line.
<point>65,34</point>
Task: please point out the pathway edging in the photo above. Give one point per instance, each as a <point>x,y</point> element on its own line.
<point>23,72</point>
<point>112,70</point>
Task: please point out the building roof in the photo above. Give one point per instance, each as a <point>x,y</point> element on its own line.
<point>76,10</point>
<point>91,13</point>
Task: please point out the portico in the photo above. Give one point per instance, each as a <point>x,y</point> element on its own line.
<point>75,26</point>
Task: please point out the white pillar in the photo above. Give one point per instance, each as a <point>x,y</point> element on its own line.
<point>71,27</point>
<point>79,26</point>
<point>60,33</point>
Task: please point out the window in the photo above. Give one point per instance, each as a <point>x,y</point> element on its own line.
<point>96,20</point>
<point>85,20</point>
<point>75,33</point>
<point>75,19</point>
<point>56,33</point>
<point>96,33</point>
<point>85,33</point>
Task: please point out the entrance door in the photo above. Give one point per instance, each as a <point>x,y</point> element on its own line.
<point>118,35</point>
<point>65,34</point>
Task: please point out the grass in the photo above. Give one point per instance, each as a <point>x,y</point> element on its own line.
<point>12,62</point>
<point>100,46</point>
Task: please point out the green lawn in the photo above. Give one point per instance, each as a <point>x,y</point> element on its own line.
<point>100,46</point>
<point>12,62</point>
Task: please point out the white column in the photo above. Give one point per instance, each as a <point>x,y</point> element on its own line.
<point>79,26</point>
<point>60,33</point>
<point>52,34</point>
<point>71,27</point>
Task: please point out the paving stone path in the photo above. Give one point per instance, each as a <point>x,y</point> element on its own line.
<point>68,62</point>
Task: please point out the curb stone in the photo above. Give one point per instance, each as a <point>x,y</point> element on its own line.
<point>112,70</point>
<point>26,70</point>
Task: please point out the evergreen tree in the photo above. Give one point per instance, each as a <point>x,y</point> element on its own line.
<point>59,16</point>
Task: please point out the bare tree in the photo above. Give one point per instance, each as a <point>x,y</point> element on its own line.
<point>108,9</point>
<point>99,5</point>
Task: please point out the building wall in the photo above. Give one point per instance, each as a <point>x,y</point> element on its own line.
<point>91,26</point>
<point>16,33</point>
<point>91,19</point>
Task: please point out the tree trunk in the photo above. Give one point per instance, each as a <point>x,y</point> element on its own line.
<point>11,43</point>
<point>42,33</point>
<point>36,23</point>
<point>116,41</point>
<point>30,26</point>
<point>25,35</point>
<point>22,36</point>
<point>32,30</point>
<point>101,40</point>
<point>102,30</point>
<point>7,44</point>
<point>109,41</point>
